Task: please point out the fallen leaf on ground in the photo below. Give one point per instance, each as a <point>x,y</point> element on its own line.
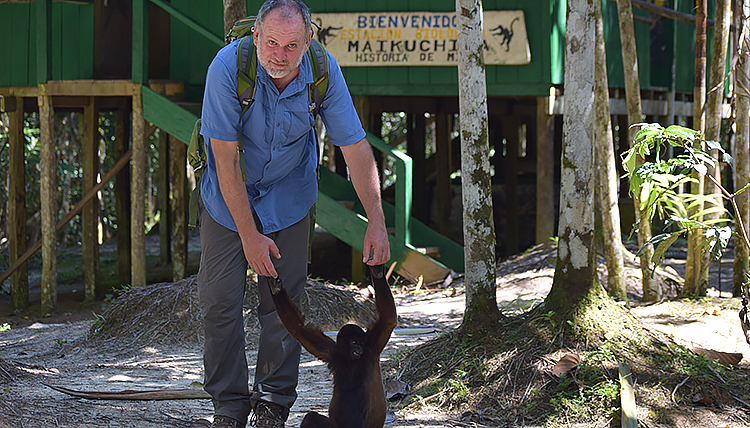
<point>726,358</point>
<point>566,363</point>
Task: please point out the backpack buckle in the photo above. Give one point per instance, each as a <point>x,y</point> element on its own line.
<point>199,166</point>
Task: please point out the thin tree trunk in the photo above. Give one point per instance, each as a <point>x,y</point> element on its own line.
<point>233,11</point>
<point>713,112</point>
<point>479,227</point>
<point>742,144</point>
<point>606,171</point>
<point>651,289</point>
<point>693,265</point>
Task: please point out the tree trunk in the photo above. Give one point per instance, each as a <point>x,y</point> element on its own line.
<point>713,112</point>
<point>693,265</point>
<point>742,145</point>
<point>651,290</point>
<point>479,228</point>
<point>575,279</point>
<point>606,171</point>
<point>234,10</point>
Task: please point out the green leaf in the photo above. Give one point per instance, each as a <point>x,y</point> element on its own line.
<point>663,246</point>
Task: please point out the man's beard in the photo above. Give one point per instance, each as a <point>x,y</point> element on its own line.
<point>278,73</point>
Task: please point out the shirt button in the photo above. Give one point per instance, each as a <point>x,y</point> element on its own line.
<point>278,124</point>
<point>274,148</point>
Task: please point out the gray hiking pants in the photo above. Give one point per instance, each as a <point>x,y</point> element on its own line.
<point>221,288</point>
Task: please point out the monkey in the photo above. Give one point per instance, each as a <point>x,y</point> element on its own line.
<point>354,358</point>
<point>506,34</point>
<point>325,33</point>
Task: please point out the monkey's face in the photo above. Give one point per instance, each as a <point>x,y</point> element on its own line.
<point>351,340</point>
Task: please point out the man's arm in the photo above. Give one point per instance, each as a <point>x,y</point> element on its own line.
<point>255,245</point>
<point>364,175</point>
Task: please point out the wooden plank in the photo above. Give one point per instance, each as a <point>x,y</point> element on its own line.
<point>71,41</point>
<point>90,214</point>
<point>94,88</point>
<point>56,44</point>
<point>140,43</point>
<point>19,282</point>
<point>138,193</point>
<point>43,40</point>
<point>85,59</point>
<point>16,68</point>
<point>167,115</point>
<point>179,208</point>
<point>20,92</point>
<point>48,167</point>
<point>627,397</point>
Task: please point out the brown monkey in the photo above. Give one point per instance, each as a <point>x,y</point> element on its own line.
<point>354,358</point>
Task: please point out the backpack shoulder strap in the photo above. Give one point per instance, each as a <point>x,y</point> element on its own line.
<point>247,67</point>
<point>319,60</point>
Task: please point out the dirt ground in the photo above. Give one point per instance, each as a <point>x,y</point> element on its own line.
<point>52,350</point>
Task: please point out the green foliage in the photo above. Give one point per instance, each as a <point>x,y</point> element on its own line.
<point>659,183</point>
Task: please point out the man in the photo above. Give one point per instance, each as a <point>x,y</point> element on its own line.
<point>264,222</point>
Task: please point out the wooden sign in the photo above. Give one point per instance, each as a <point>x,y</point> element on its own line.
<point>418,38</point>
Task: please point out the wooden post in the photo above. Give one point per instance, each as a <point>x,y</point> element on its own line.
<point>122,197</point>
<point>545,169</point>
<point>162,186</point>
<point>444,192</point>
<point>90,214</point>
<point>19,281</point>
<point>48,165</point>
<point>179,208</point>
<point>416,148</point>
<point>138,194</point>
<point>510,132</point>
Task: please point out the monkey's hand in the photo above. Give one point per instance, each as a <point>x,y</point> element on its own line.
<point>275,285</point>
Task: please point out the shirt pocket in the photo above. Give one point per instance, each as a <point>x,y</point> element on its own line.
<point>299,124</point>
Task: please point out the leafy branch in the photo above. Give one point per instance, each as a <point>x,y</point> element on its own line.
<point>659,183</point>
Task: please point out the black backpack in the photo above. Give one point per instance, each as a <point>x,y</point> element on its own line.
<point>247,64</point>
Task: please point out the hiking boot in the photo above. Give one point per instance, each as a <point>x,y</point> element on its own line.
<point>268,415</point>
<point>226,422</point>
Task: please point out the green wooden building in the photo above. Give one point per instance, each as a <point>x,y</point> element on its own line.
<point>147,60</point>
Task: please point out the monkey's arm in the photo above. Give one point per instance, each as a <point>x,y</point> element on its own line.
<point>380,332</point>
<point>309,336</point>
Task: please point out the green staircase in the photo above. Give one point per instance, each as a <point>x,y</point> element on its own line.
<point>411,239</point>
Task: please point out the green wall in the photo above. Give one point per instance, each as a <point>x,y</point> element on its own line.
<point>72,36</point>
<point>72,47</point>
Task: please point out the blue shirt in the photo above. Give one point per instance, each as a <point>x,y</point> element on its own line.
<point>278,138</point>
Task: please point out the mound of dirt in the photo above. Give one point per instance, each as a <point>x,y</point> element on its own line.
<point>170,313</point>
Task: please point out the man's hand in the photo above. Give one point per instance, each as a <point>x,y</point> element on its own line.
<point>258,249</point>
<point>376,239</point>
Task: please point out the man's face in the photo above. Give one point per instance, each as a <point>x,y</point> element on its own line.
<point>281,44</point>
